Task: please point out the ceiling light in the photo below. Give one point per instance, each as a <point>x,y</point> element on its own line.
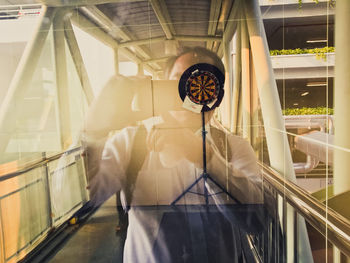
<point>316,84</point>
<point>304,94</point>
<point>317,41</point>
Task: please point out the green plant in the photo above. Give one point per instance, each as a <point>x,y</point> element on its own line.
<point>331,3</point>
<point>308,111</point>
<point>319,52</point>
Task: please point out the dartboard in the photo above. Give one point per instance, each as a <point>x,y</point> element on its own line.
<point>202,84</point>
<point>202,87</point>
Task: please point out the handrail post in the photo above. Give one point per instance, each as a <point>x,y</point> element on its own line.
<point>48,190</point>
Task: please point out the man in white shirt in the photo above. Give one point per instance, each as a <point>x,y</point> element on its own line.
<point>155,162</point>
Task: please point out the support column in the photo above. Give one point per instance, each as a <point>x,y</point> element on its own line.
<point>226,108</point>
<point>280,156</point>
<point>236,81</point>
<point>62,80</point>
<point>277,143</point>
<point>246,112</point>
<point>342,97</point>
<point>116,61</point>
<point>341,166</point>
<point>140,71</point>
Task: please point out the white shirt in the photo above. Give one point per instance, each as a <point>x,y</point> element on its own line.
<point>159,184</point>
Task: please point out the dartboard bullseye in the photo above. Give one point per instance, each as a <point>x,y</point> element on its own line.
<point>203,85</point>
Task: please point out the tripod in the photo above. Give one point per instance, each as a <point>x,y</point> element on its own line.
<point>204,176</point>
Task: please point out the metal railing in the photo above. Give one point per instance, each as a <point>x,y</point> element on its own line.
<point>31,202</point>
<point>333,226</point>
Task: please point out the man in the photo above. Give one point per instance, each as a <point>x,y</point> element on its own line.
<point>168,159</point>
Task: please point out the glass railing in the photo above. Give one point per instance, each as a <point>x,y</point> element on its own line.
<point>37,199</point>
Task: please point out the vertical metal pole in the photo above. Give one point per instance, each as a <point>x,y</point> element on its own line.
<point>296,236</point>
<point>140,70</point>
<point>237,81</point>
<point>23,76</point>
<point>62,79</point>
<point>116,60</point>
<point>2,239</point>
<point>48,189</point>
<point>279,152</point>
<point>246,112</point>
<point>205,175</point>
<point>226,108</point>
<point>341,103</point>
<point>342,97</point>
<point>280,156</point>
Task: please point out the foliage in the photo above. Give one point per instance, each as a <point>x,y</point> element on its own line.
<point>331,3</point>
<point>308,111</point>
<point>320,52</point>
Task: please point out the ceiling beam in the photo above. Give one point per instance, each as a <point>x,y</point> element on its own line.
<point>90,28</point>
<point>161,39</point>
<point>215,8</point>
<point>141,42</point>
<point>157,59</point>
<point>114,30</point>
<point>161,11</point>
<point>198,38</point>
<point>77,3</point>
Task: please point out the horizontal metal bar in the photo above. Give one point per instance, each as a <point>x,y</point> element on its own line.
<point>328,222</point>
<point>20,7</point>
<point>60,3</point>
<point>29,243</point>
<point>20,189</point>
<point>141,42</point>
<point>38,164</point>
<point>157,60</point>
<point>62,168</point>
<point>198,38</point>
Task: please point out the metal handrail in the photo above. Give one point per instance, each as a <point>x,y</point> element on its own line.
<point>328,222</point>
<point>37,164</point>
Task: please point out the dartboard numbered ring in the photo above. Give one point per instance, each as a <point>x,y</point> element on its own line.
<point>202,84</point>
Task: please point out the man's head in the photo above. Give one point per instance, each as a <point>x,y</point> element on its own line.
<point>191,56</point>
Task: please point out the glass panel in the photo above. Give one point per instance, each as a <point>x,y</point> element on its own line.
<point>36,128</point>
<point>24,212</point>
<point>66,180</point>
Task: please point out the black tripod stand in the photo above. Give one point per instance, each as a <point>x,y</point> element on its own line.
<point>204,176</point>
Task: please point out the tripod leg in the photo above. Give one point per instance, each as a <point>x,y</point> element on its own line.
<point>205,177</point>
<point>187,189</point>
<point>224,190</point>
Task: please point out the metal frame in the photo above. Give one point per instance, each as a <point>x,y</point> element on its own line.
<point>78,61</point>
<point>161,11</point>
<point>215,7</point>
